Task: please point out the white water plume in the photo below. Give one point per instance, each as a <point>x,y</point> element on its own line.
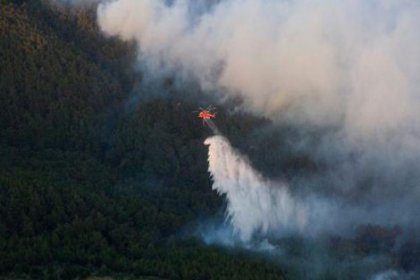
<point>257,205</point>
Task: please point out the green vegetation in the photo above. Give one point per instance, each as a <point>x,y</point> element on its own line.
<point>89,188</point>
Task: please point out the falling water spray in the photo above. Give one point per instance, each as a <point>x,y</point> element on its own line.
<point>256,205</point>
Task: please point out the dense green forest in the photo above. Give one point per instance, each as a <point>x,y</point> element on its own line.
<point>88,185</point>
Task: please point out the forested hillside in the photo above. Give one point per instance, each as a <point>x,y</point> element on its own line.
<point>88,185</point>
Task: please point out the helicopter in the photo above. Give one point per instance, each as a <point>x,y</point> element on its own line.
<point>206,113</point>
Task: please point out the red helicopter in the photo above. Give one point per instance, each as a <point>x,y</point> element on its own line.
<point>206,114</point>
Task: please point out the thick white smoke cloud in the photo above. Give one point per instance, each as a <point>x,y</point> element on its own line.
<point>352,61</point>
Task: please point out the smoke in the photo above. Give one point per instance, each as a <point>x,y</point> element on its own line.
<point>348,70</point>
<point>258,206</point>
<point>353,62</point>
<point>347,67</point>
<point>262,215</point>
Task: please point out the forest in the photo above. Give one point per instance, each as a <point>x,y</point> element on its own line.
<point>88,185</point>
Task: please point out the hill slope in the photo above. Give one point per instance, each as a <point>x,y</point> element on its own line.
<point>86,186</point>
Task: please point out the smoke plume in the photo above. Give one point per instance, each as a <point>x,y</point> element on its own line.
<point>346,69</point>
<point>323,62</point>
